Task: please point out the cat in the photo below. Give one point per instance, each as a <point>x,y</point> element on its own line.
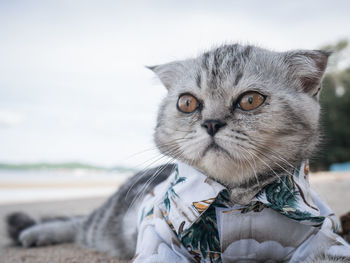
<point>242,115</point>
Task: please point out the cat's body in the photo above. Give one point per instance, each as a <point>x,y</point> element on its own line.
<point>241,114</point>
<point>106,229</point>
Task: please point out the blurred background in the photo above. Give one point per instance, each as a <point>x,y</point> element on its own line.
<point>78,106</point>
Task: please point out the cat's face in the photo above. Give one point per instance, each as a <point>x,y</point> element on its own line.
<point>237,112</point>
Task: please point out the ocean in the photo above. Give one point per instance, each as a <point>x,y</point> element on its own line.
<point>22,186</point>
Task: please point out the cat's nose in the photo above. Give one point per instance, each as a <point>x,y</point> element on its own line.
<point>213,126</point>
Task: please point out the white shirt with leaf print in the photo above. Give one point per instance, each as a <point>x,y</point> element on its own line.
<point>189,218</point>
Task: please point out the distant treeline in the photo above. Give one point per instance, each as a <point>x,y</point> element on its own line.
<point>62,166</point>
<point>335,115</point>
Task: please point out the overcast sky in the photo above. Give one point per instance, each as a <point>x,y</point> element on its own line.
<point>73,86</point>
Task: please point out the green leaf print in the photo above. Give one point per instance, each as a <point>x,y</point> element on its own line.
<point>150,212</point>
<point>255,206</point>
<point>203,236</point>
<point>282,193</point>
<point>283,197</point>
<point>171,192</point>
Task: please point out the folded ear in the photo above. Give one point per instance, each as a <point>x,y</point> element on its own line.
<point>169,73</point>
<point>308,66</point>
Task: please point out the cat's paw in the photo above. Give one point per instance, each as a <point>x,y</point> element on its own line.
<point>35,236</point>
<point>16,223</point>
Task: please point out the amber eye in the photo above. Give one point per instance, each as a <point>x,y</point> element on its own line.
<point>187,103</point>
<point>251,101</point>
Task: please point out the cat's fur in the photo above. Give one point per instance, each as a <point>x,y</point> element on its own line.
<point>257,145</point>
<point>284,130</point>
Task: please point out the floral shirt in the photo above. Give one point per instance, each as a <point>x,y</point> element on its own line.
<point>189,218</point>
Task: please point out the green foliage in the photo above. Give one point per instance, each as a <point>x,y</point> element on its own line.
<point>337,47</point>
<point>335,114</point>
<point>61,166</point>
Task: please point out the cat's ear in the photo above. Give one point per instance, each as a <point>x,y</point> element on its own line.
<point>169,73</point>
<point>308,66</point>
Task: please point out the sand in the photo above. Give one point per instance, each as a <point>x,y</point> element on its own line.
<point>332,187</point>
<point>66,253</point>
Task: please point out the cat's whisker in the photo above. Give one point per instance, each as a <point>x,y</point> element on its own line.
<point>247,160</point>
<point>256,144</point>
<point>277,175</point>
<point>156,148</point>
<point>283,168</point>
<point>142,175</point>
<point>160,157</point>
<point>261,152</point>
<point>145,186</point>
<point>266,156</point>
<point>173,129</point>
<point>158,171</point>
<point>152,178</point>
<point>272,155</point>
<point>277,155</point>
<point>166,153</point>
<point>152,160</point>
<point>140,194</point>
<point>264,163</point>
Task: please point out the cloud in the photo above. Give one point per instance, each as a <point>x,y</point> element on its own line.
<point>10,119</point>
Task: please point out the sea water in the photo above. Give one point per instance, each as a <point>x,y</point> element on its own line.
<point>49,185</point>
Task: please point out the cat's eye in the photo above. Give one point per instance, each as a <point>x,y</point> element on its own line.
<point>187,103</point>
<point>251,100</point>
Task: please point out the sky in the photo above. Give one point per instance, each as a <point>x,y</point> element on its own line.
<point>73,82</point>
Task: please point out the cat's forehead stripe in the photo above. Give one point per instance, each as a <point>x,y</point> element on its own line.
<point>199,80</point>
<point>221,62</point>
<point>238,77</point>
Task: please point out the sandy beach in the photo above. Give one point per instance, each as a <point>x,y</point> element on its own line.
<point>332,187</point>
<point>66,253</point>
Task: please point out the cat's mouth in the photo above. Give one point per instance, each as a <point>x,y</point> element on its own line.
<point>213,146</point>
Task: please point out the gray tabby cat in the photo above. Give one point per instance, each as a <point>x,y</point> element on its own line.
<point>234,108</point>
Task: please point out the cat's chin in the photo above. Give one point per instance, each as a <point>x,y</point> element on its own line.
<point>217,150</point>
<point>216,163</point>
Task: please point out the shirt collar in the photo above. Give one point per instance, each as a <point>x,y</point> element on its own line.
<point>191,193</point>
